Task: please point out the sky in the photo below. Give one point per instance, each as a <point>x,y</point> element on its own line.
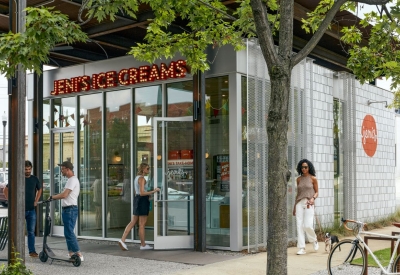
<point>362,8</point>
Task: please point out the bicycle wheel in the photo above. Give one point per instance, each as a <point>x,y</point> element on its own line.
<point>346,257</point>
<point>396,265</point>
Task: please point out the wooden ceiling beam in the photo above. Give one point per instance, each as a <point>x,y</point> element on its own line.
<point>123,28</point>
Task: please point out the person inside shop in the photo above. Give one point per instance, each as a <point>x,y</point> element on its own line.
<point>97,199</point>
<point>307,193</point>
<point>141,208</point>
<point>69,203</point>
<point>33,191</point>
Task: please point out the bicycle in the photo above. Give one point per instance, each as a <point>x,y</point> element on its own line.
<point>348,256</point>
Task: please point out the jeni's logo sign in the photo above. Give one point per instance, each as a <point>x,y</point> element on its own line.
<point>369,135</point>
<point>124,77</point>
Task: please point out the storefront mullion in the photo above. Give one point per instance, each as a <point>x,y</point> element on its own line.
<point>235,162</point>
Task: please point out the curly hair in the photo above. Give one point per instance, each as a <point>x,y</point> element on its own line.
<point>141,168</point>
<point>311,168</point>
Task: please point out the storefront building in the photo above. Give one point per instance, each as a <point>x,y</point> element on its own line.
<point>107,117</point>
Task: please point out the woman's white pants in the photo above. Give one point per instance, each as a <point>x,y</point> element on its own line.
<point>305,223</point>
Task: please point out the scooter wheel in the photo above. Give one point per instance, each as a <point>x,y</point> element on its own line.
<point>76,260</point>
<point>43,256</point>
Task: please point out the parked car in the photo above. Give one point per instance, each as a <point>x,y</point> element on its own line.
<point>3,183</point>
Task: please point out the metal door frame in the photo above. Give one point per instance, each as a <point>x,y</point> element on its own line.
<point>166,242</point>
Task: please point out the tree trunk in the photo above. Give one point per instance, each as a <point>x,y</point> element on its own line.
<point>277,127</point>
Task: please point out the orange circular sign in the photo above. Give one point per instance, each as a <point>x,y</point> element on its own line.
<point>369,135</point>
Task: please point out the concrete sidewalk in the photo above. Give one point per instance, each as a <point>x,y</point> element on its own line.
<point>105,257</point>
<point>309,263</point>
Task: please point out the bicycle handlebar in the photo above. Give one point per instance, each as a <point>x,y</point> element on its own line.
<point>360,224</point>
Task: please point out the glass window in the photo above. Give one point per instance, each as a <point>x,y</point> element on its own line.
<point>64,113</point>
<point>118,164</point>
<point>180,99</point>
<point>338,159</point>
<point>90,166</point>
<point>217,161</point>
<point>46,150</point>
<point>148,104</point>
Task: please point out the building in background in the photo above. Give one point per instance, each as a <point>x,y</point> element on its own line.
<point>135,112</point>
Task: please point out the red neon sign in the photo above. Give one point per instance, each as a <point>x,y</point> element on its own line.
<point>176,69</point>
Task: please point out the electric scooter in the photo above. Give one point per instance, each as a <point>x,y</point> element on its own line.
<point>47,252</point>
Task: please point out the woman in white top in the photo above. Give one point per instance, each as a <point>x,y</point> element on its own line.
<point>141,207</point>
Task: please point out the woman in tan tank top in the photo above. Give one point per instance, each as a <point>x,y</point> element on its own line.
<point>307,192</point>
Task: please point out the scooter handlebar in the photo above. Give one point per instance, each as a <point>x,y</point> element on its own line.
<point>45,201</point>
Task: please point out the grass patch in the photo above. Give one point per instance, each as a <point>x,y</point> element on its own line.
<point>382,255</point>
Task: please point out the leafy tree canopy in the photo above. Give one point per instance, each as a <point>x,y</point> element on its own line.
<point>208,23</point>
<point>45,28</point>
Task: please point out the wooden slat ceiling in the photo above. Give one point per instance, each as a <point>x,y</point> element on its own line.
<point>113,39</point>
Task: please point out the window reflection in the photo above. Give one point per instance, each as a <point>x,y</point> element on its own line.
<point>217,161</point>
<point>180,99</point>
<point>90,169</point>
<point>118,161</point>
<point>64,113</point>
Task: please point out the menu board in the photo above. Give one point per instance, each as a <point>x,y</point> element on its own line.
<point>221,171</point>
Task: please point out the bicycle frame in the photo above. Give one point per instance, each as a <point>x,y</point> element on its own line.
<point>364,245</point>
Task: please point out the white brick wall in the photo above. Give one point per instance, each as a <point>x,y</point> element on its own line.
<point>376,174</point>
<point>375,193</point>
<point>323,141</point>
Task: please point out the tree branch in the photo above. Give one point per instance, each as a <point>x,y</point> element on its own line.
<point>372,2</point>
<point>263,29</point>
<point>387,12</point>
<point>325,24</point>
<point>319,33</point>
<point>286,28</point>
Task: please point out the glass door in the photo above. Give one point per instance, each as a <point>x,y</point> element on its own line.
<point>63,149</point>
<point>173,171</point>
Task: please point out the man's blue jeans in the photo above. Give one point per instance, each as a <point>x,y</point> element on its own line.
<point>69,217</point>
<point>30,218</point>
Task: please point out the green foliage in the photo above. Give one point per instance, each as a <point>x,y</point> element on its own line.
<point>314,19</point>
<point>102,9</point>
<point>376,54</point>
<point>45,28</point>
<point>373,53</point>
<point>396,101</point>
<point>207,25</point>
<point>16,268</point>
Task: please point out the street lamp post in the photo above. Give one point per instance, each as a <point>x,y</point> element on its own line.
<point>4,119</point>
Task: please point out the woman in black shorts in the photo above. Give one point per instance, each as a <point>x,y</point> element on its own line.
<point>141,207</point>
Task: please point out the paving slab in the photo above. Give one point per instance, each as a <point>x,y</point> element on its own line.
<point>106,257</point>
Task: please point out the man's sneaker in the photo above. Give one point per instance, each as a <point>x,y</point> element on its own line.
<point>301,251</point>
<point>33,255</point>
<point>146,247</point>
<point>122,245</point>
<point>316,246</point>
<point>69,256</point>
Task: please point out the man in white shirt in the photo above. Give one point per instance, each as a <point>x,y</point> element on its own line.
<point>69,203</point>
